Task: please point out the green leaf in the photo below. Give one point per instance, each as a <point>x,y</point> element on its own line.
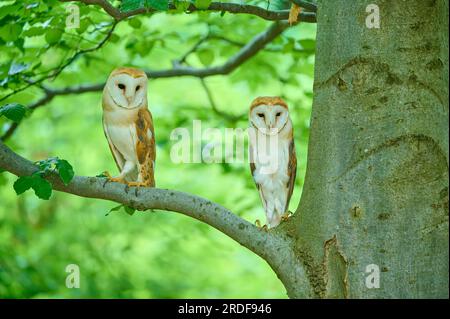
<point>181,5</point>
<point>65,171</point>
<point>10,32</point>
<point>135,23</point>
<point>205,56</point>
<point>13,111</point>
<point>34,31</point>
<point>114,38</point>
<point>101,175</point>
<point>308,44</point>
<point>130,5</point>
<point>22,184</point>
<point>53,36</point>
<point>202,4</point>
<point>42,188</point>
<point>129,210</point>
<point>161,5</point>
<point>10,10</point>
<point>3,179</point>
<point>84,24</point>
<point>114,209</point>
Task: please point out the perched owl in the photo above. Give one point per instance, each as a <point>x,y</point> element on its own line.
<point>272,155</point>
<point>128,127</point>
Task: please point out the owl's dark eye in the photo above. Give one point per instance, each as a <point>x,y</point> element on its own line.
<point>138,87</point>
<point>121,86</point>
<point>278,114</point>
<point>260,114</point>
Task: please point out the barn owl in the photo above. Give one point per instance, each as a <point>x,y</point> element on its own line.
<point>272,156</point>
<point>128,127</point>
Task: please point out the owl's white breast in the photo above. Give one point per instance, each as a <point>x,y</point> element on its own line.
<point>271,165</point>
<point>123,138</point>
<point>121,127</point>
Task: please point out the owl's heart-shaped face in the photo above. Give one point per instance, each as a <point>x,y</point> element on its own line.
<point>127,91</point>
<point>269,119</point>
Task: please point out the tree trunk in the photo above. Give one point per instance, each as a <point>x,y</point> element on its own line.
<point>376,188</point>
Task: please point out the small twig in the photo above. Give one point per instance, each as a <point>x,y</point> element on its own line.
<point>58,70</point>
<point>191,50</point>
<point>229,117</point>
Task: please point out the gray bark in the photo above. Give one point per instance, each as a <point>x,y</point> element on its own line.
<point>376,190</point>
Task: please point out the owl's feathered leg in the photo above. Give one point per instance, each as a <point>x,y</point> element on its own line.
<point>273,218</point>
<point>145,177</point>
<point>274,221</point>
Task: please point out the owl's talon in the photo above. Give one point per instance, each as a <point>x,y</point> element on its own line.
<point>286,216</point>
<point>127,188</point>
<point>106,174</point>
<point>109,178</point>
<point>258,224</point>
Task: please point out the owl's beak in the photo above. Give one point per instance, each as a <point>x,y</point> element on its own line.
<point>129,99</point>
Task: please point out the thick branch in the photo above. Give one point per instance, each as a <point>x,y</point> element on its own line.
<point>248,51</point>
<point>235,8</point>
<point>274,246</point>
<point>199,208</point>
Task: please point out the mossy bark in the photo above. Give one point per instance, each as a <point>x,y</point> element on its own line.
<point>376,188</point>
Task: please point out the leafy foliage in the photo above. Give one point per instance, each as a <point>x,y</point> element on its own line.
<point>130,5</point>
<point>13,111</point>
<point>42,188</point>
<point>129,210</point>
<point>202,4</point>
<point>150,255</point>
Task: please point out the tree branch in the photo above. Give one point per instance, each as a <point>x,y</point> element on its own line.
<point>274,246</point>
<point>236,8</point>
<point>196,207</point>
<point>245,53</point>
<point>55,72</point>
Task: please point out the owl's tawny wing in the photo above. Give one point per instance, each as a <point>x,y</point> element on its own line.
<point>145,146</point>
<point>292,172</point>
<point>118,158</point>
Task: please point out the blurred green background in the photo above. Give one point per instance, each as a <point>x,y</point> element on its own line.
<point>150,254</point>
